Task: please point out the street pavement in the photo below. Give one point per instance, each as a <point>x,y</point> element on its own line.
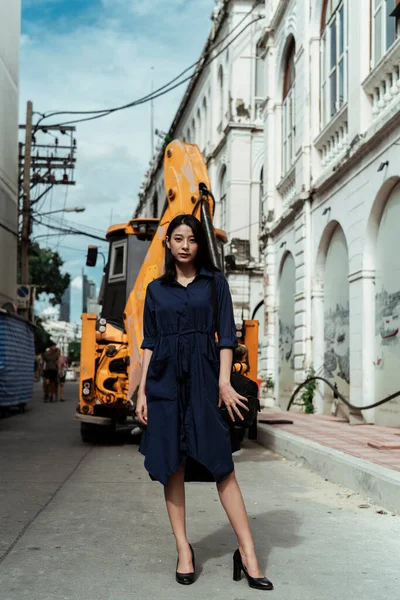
<point>83,522</point>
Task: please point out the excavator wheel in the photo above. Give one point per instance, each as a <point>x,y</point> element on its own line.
<point>252,433</point>
<point>96,434</point>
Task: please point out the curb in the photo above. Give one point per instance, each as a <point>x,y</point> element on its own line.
<point>380,484</point>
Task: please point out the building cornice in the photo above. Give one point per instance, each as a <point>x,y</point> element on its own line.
<point>287,217</point>
<point>279,14</point>
<point>369,141</point>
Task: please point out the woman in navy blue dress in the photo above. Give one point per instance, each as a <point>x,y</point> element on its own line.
<point>185,379</point>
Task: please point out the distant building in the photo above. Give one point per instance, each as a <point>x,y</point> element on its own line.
<point>93,306</point>
<point>63,333</point>
<point>65,307</point>
<point>89,296</point>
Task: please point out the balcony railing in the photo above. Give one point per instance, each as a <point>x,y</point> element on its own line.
<point>287,187</point>
<point>383,83</point>
<point>332,141</point>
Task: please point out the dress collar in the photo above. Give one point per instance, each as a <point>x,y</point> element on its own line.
<point>202,273</point>
<point>205,272</point>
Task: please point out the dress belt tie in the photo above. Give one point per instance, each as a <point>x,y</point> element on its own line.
<point>183,349</point>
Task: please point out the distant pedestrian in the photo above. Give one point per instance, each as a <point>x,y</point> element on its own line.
<point>62,371</point>
<point>50,373</point>
<point>185,379</point>
<point>36,368</point>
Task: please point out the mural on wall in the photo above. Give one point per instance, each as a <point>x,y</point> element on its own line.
<point>387,312</point>
<point>336,318</point>
<point>286,331</point>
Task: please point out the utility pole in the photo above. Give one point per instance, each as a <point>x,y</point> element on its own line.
<point>26,201</point>
<point>38,164</point>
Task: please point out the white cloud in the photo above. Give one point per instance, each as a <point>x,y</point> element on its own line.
<point>50,312</point>
<point>77,283</point>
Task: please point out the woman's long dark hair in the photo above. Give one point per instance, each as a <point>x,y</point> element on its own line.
<point>203,257</point>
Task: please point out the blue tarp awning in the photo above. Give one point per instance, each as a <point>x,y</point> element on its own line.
<point>17,355</point>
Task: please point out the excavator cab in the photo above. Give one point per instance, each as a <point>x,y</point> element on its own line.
<point>129,245</point>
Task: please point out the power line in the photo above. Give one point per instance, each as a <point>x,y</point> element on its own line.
<point>69,231</point>
<point>165,89</point>
<point>61,222</point>
<point>103,112</point>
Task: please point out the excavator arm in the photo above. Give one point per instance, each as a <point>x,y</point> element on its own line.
<point>188,190</point>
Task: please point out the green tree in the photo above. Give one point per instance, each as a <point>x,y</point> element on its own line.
<point>45,274</point>
<point>42,338</point>
<point>309,392</point>
<point>74,352</point>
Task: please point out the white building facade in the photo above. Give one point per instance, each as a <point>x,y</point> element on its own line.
<point>221,113</point>
<point>9,69</point>
<point>331,200</point>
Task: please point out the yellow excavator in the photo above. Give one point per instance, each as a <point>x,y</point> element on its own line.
<point>110,351</point>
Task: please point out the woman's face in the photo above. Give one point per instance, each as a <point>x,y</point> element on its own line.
<point>183,245</point>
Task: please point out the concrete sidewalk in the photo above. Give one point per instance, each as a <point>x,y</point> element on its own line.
<point>83,522</point>
<point>365,458</point>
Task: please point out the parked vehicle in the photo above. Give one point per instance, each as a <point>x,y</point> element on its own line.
<point>71,375</point>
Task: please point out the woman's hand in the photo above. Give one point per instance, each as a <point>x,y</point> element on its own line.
<point>141,408</point>
<point>232,400</point>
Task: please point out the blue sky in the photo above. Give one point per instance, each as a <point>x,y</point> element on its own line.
<point>91,54</point>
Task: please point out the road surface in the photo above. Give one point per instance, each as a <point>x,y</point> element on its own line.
<point>85,522</point>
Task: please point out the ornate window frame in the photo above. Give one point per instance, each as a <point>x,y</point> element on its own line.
<point>334,59</point>
<point>289,109</point>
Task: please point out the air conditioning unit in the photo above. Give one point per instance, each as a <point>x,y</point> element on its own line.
<point>241,251</point>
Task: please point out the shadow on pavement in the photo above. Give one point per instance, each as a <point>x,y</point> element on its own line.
<point>276,528</point>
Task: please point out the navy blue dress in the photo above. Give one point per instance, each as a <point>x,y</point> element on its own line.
<point>182,392</point>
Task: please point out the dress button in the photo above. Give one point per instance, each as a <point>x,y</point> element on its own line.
<point>185,303</point>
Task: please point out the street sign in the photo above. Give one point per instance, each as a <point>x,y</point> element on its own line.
<point>23,291</point>
<point>25,296</point>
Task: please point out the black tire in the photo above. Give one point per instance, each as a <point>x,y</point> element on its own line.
<point>240,431</point>
<point>96,434</point>
<point>252,434</point>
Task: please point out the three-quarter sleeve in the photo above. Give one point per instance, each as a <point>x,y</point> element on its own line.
<point>226,322</point>
<point>149,322</point>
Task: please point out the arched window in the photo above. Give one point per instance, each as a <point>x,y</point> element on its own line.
<point>194,133</point>
<point>199,131</point>
<point>334,42</point>
<point>154,206</point>
<point>385,25</point>
<point>259,73</point>
<point>261,216</point>
<point>205,124</point>
<point>189,139</point>
<point>288,110</point>
<point>222,196</point>
<point>220,98</point>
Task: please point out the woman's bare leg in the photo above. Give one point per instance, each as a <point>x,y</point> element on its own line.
<point>174,493</point>
<point>232,501</point>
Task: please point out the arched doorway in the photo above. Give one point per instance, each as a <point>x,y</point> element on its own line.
<point>287,290</point>
<point>336,317</point>
<point>387,312</point>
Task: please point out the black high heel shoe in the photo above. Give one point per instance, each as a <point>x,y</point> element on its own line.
<point>186,578</point>
<point>258,583</point>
